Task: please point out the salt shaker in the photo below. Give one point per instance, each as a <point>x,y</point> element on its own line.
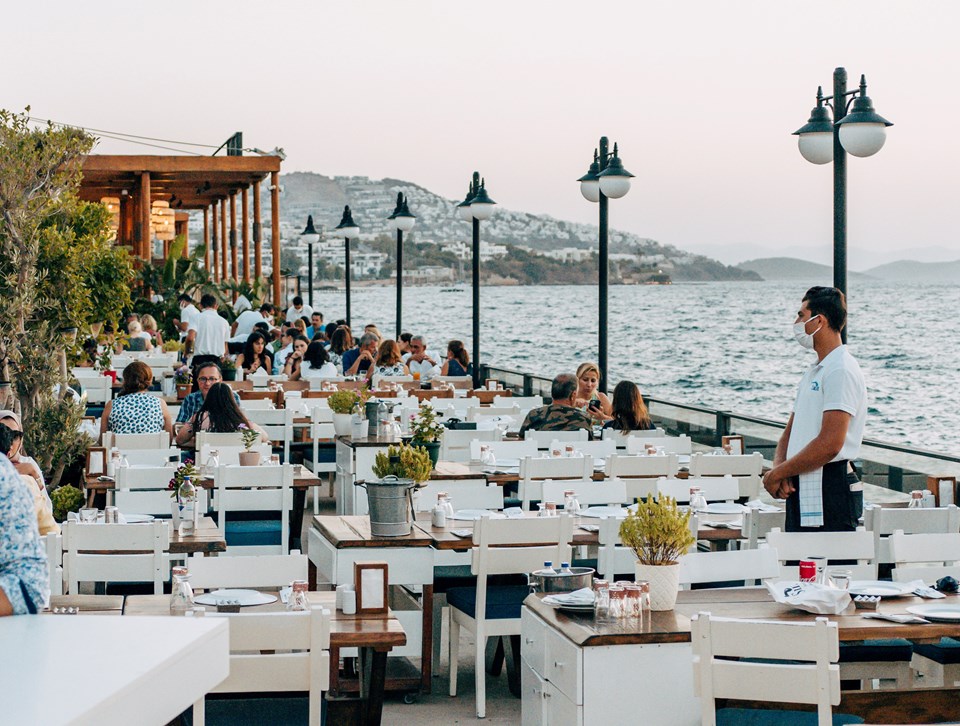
<point>298,596</point>
<point>570,504</point>
<point>438,517</point>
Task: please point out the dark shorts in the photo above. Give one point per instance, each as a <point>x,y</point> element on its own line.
<point>842,508</point>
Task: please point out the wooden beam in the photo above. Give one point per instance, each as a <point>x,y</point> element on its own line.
<point>275,233</point>
<point>233,241</point>
<point>177,164</point>
<point>223,241</point>
<point>215,244</point>
<point>144,241</point>
<point>245,229</point>
<point>206,239</point>
<point>257,233</point>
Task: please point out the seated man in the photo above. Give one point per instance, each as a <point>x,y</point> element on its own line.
<point>420,360</point>
<point>357,360</point>
<point>560,414</point>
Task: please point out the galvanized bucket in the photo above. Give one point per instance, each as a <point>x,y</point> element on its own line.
<point>390,506</point>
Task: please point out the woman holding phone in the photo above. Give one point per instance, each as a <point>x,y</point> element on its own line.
<point>591,401</point>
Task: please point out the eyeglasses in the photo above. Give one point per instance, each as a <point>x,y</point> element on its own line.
<point>208,380</point>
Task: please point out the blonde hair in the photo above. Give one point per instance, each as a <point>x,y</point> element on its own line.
<point>134,327</point>
<point>587,367</point>
<point>149,323</point>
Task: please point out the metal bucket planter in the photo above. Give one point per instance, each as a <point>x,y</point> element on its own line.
<point>390,506</point>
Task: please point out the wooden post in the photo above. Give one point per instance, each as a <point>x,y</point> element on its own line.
<point>124,226</point>
<point>215,243</point>
<point>206,239</point>
<point>233,240</point>
<point>245,230</point>
<point>257,233</point>
<point>275,233</point>
<point>144,242</point>
<point>223,240</point>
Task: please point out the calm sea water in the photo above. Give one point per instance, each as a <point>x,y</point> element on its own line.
<point>724,345</point>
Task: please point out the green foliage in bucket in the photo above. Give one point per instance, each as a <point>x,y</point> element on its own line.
<point>343,401</point>
<point>658,532</point>
<point>404,462</point>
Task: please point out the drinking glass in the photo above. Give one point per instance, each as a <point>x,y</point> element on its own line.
<point>618,602</point>
<point>89,516</point>
<point>274,459</point>
<point>601,601</point>
<point>634,601</point>
<point>840,578</point>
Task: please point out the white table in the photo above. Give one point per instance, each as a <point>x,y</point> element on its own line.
<point>107,670</point>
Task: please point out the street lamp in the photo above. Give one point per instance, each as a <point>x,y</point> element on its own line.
<point>860,132</point>
<point>310,237</point>
<point>349,230</point>
<point>605,179</point>
<point>475,207</point>
<point>403,221</point>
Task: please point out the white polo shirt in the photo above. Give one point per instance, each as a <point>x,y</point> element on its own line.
<point>189,315</point>
<point>833,384</point>
<point>294,315</point>
<point>212,333</point>
<point>426,369</point>
<point>246,320</point>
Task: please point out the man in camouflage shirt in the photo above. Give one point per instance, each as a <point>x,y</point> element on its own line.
<point>560,415</point>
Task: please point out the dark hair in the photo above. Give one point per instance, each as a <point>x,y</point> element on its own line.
<point>828,302</point>
<point>305,320</point>
<point>297,300</point>
<point>405,337</point>
<point>330,329</point>
<point>459,352</point>
<point>221,410</point>
<point>341,340</point>
<point>262,327</point>
<point>137,377</point>
<point>266,308</point>
<point>248,353</point>
<point>304,338</point>
<point>389,353</point>
<point>209,364</point>
<point>629,411</point>
<point>208,301</point>
<point>316,355</point>
<point>183,296</point>
<point>317,312</point>
<point>563,387</point>
<point>7,439</point>
<point>341,321</point>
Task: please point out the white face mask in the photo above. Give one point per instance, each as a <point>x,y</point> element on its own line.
<point>804,338</point>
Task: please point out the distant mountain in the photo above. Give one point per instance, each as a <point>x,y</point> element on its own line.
<point>790,268</point>
<point>858,258</point>
<point>911,271</point>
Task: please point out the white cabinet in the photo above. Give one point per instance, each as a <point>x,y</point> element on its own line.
<point>354,462</point>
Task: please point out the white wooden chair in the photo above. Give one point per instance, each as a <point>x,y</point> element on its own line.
<point>218,441</point>
<point>98,390</point>
<point>596,449</point>
<point>230,455</point>
<point>255,571</point>
<point>613,558</point>
<point>795,546</point>
<point>524,402</point>
<point>256,404</point>
<point>731,661</point>
<point>884,521</point>
<point>152,457</point>
<point>534,470</point>
<point>670,444</point>
<point>278,425</point>
<point>495,611</point>
<point>377,380</point>
<point>455,444</point>
<point>757,523</point>
<point>457,407</point>
<point>545,438</point>
<point>286,651</point>
<point>158,440</point>
<point>507,450</point>
<point>321,429</point>
<point>620,439</point>
<point>464,494</point>
<point>714,489</point>
<point>750,566</point>
<point>609,491</point>
<point>625,466</point>
<point>255,489</point>
<point>91,553</point>
<point>316,384</point>
<point>53,544</point>
<point>746,468</point>
<point>466,381</point>
<point>143,490</point>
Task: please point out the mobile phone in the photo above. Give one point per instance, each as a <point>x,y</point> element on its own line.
<point>595,403</point>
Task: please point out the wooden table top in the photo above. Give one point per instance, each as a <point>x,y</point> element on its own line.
<point>346,631</point>
<point>305,479</point>
<point>673,626</point>
<point>208,538</point>
<point>354,531</point>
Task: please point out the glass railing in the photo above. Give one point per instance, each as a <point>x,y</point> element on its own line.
<point>901,468</point>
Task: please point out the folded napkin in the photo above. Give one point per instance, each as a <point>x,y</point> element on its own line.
<point>921,590</point>
<point>762,506</point>
<point>583,596</point>
<point>285,594</point>
<point>895,618</point>
<point>732,524</point>
<point>810,596</point>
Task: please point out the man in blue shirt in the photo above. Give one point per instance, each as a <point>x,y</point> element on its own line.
<point>207,374</point>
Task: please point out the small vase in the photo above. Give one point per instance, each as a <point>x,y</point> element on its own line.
<point>433,450</point>
<point>249,458</point>
<point>229,375</point>
<point>342,423</point>
<point>182,390</point>
<point>664,584</point>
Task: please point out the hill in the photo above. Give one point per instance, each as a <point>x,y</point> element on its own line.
<point>912,271</point>
<point>792,269</point>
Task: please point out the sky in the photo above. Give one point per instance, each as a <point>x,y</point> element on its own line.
<point>701,96</point>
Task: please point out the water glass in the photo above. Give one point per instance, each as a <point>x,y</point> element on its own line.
<point>89,516</point>
<point>840,578</point>
<point>550,509</point>
<point>298,596</point>
<point>601,601</point>
<point>633,601</point>
<point>274,459</point>
<point>618,602</point>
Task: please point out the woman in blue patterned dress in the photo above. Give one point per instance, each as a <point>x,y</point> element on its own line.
<point>24,584</point>
<point>134,411</point>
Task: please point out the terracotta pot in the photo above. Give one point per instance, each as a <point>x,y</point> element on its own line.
<point>664,584</point>
<point>249,458</point>
<point>183,389</point>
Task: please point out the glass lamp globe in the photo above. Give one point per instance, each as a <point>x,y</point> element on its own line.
<point>482,210</point>
<point>862,139</point>
<point>816,147</point>
<point>465,213</point>
<point>349,232</point>
<point>590,190</point>
<point>614,186</point>
<point>404,224</point>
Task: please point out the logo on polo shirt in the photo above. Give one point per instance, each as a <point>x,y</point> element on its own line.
<point>815,386</point>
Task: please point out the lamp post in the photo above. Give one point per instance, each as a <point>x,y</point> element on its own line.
<point>475,207</point>
<point>605,179</point>
<point>403,221</point>
<point>859,131</point>
<point>310,236</point>
<point>349,230</point>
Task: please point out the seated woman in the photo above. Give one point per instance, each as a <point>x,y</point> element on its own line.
<point>458,360</point>
<point>139,340</point>
<point>340,342</point>
<point>18,457</point>
<point>10,443</point>
<point>388,362</point>
<point>317,363</point>
<point>219,414</point>
<point>587,398</point>
<point>255,354</point>
<point>24,584</point>
<point>292,368</point>
<point>149,324</point>
<point>629,411</point>
<point>134,411</point>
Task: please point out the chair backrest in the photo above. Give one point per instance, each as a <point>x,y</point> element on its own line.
<point>515,449</point>
<point>277,424</point>
<point>534,470</point>
<point>795,546</point>
<point>459,407</point>
<point>392,379</point>
<point>91,553</point>
<point>456,444</point>
<point>316,384</point>
<point>206,438</point>
<point>255,488</point>
<point>488,413</point>
<point>429,395</point>
<point>464,494</point>
<point>97,389</point>
<point>884,521</point>
<point>731,660</point>
<point>714,489</point>
<point>157,440</point>
<point>596,449</point>
<point>932,556</point>
<point>620,438</point>
<point>698,568</point>
<point>256,404</point>
<point>230,455</point>
<point>53,543</point>
<point>545,438</point>
<point>757,523</point>
<point>286,651</point>
<point>263,571</point>
<point>613,558</point>
<point>143,490</point>
<point>151,457</point>
<point>609,491</point>
<point>525,402</point>
<point>746,468</point>
<point>274,397</point>
<point>670,444</point>
<point>625,466</point>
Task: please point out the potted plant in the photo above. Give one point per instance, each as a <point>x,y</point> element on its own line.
<point>401,470</point>
<point>183,378</point>
<point>105,363</point>
<point>229,368</point>
<point>172,346</point>
<point>659,534</point>
<point>427,431</point>
<point>65,499</point>
<point>342,403</point>
<point>186,469</point>
<point>249,436</point>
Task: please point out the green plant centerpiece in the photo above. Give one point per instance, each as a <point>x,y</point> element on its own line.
<point>659,534</point>
<point>343,401</point>
<point>249,436</point>
<point>427,431</point>
<point>401,470</point>
<point>228,368</point>
<point>65,499</point>
<point>404,461</point>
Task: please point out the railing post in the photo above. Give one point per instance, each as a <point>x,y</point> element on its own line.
<point>895,478</point>
<point>527,385</point>
<point>722,426</point>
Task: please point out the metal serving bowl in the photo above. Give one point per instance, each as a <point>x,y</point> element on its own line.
<point>577,578</point>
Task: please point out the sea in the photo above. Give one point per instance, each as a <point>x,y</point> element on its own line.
<point>723,345</point>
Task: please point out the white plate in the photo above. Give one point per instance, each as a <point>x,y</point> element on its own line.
<point>246,597</point>
<point>938,613</point>
<point>138,518</point>
<point>879,588</point>
<point>472,515</point>
<point>724,508</point>
<point>508,463</point>
<point>607,511</point>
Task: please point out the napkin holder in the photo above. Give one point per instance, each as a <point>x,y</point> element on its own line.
<point>228,606</point>
<point>867,602</point>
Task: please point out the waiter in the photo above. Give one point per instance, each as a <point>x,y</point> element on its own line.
<point>812,467</point>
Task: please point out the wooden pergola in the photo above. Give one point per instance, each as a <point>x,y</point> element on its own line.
<point>208,183</point>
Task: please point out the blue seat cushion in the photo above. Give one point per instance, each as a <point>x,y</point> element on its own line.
<point>758,717</point>
<point>502,602</point>
<point>589,562</point>
<point>889,650</point>
<point>946,652</point>
<point>253,533</point>
<point>511,502</point>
